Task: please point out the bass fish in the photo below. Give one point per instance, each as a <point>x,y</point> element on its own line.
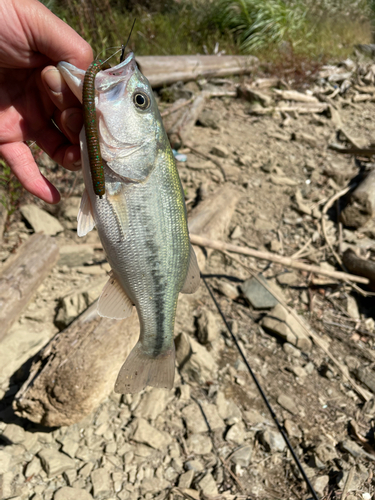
<point>140,216</point>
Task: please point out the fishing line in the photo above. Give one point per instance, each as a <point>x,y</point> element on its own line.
<point>123,47</point>
<point>264,397</point>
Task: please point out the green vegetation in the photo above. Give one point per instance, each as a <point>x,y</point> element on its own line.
<point>315,29</point>
<point>11,190</point>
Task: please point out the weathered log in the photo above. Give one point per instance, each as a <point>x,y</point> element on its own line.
<point>22,275</point>
<point>211,218</point>
<point>361,206</point>
<point>358,266</point>
<point>181,130</point>
<point>165,70</point>
<point>76,370</point>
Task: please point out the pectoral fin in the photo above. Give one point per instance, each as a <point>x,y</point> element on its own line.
<point>113,301</point>
<point>85,219</point>
<point>193,275</point>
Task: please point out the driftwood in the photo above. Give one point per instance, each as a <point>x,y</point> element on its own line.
<point>181,130</point>
<point>361,206</point>
<point>78,368</point>
<point>358,266</point>
<point>22,275</point>
<point>212,218</point>
<point>165,70</point>
<point>352,150</point>
<point>271,257</point>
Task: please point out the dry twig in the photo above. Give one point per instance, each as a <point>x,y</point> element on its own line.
<point>285,261</point>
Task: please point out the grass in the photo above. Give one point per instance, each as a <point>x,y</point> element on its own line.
<point>317,29</point>
<point>11,190</point>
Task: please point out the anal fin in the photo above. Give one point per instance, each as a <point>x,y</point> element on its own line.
<point>140,370</point>
<point>85,219</point>
<point>113,301</point>
<point>193,275</point>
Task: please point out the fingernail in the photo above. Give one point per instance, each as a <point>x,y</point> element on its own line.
<point>54,80</point>
<point>78,164</point>
<point>74,121</point>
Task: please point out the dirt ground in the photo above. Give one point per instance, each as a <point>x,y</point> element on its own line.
<point>285,174</point>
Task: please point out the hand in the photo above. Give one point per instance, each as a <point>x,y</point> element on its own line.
<point>32,93</point>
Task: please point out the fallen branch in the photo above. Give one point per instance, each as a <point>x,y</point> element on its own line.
<point>214,160</point>
<point>165,70</point>
<point>173,109</point>
<point>22,275</point>
<point>352,151</point>
<point>359,266</point>
<point>285,261</point>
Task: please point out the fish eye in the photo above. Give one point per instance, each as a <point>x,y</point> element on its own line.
<point>141,100</point>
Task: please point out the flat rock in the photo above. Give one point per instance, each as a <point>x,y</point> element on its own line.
<point>287,403</point>
<point>208,485</point>
<point>153,403</point>
<point>186,479</point>
<point>257,295</point>
<point>40,220</point>
<point>366,376</point>
<point>194,359</point>
<point>147,434</point>
<point>5,459</point>
<point>227,289</point>
<point>153,485</point>
<point>253,417</point>
<point>67,493</point>
<point>73,304</point>
<point>196,423</point>
<point>320,484</point>
<point>272,440</point>
<point>227,409</point>
<point>75,255</point>
<point>199,444</point>
<point>242,456</point>
<point>236,433</point>
<point>283,324</point>
<point>326,452</point>
<point>288,279</point>
<point>14,434</point>
<point>220,151</point>
<point>208,329</point>
<point>54,462</point>
<point>101,483</point>
<point>209,118</point>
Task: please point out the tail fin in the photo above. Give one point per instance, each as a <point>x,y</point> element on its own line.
<point>140,370</point>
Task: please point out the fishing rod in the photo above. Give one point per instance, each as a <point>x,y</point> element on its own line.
<point>262,393</point>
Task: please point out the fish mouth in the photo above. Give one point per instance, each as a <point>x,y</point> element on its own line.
<point>122,71</point>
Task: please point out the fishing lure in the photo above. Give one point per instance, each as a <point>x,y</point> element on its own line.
<point>91,126</point>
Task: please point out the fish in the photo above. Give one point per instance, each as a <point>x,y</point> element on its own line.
<point>141,219</point>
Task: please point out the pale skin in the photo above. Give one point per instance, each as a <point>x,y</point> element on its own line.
<point>32,92</point>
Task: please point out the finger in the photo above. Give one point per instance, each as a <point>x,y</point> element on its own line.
<point>55,144</point>
<point>57,90</point>
<point>70,122</point>
<point>49,35</point>
<point>21,161</point>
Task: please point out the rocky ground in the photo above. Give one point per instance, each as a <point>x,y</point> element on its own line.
<point>212,436</point>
